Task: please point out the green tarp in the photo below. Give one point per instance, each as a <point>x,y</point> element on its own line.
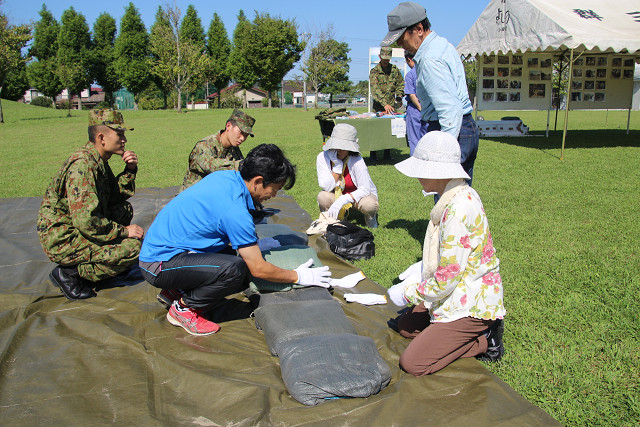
<point>114,359</point>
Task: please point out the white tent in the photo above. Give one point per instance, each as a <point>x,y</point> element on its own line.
<point>556,26</point>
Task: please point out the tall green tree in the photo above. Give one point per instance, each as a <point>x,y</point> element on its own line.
<point>42,72</point>
<point>74,55</point>
<point>471,75</point>
<point>132,53</point>
<point>160,25</point>
<point>275,49</point>
<point>218,47</point>
<point>178,61</point>
<point>240,62</point>
<point>103,63</point>
<point>328,65</point>
<point>15,83</point>
<point>192,32</point>
<point>12,40</point>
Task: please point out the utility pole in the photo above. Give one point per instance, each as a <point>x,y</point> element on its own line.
<point>305,37</point>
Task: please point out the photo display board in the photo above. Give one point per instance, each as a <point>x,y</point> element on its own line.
<point>523,81</point>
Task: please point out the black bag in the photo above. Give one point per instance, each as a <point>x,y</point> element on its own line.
<point>350,241</point>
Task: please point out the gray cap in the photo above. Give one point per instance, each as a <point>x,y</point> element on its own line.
<point>402,16</point>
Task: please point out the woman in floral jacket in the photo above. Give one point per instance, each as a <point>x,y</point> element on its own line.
<point>456,290</point>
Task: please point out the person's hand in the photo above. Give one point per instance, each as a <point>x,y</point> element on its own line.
<point>414,269</point>
<point>333,155</point>
<point>308,276</point>
<point>130,158</point>
<point>389,109</point>
<point>396,295</point>
<point>337,167</point>
<point>334,209</point>
<point>134,231</point>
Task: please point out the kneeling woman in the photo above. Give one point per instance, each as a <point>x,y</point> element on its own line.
<point>456,290</point>
<point>344,177</point>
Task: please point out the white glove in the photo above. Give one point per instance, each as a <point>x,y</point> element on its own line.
<point>396,294</point>
<point>333,156</point>
<point>268,243</point>
<point>414,269</point>
<point>318,276</point>
<point>334,209</point>
<point>338,166</point>
<point>366,299</point>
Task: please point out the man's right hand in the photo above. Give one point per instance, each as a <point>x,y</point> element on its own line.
<point>135,231</point>
<point>308,276</point>
<point>389,109</point>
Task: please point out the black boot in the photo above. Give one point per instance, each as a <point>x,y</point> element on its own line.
<point>70,283</point>
<point>494,339</point>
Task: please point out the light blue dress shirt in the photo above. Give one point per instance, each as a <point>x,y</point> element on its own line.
<point>441,85</point>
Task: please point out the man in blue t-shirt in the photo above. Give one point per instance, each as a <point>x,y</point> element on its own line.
<point>191,245</point>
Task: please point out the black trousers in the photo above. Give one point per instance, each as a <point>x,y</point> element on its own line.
<point>205,278</point>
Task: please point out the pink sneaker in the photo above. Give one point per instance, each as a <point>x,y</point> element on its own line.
<point>191,320</point>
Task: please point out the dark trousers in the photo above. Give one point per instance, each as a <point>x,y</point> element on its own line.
<point>436,345</point>
<point>205,278</point>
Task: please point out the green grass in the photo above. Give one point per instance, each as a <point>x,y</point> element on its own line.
<point>565,231</point>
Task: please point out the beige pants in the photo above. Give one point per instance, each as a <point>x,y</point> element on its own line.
<point>368,205</point>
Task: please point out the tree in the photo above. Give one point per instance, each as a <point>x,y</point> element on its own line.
<point>328,65</point>
<point>42,73</point>
<point>16,83</point>
<point>471,75</point>
<point>12,40</point>
<point>191,32</point>
<point>241,68</point>
<point>103,62</point>
<point>162,21</point>
<point>179,61</point>
<point>218,48</point>
<point>274,51</point>
<point>74,55</point>
<point>360,88</point>
<point>132,53</point>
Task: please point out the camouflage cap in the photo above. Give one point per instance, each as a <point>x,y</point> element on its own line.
<point>244,121</point>
<point>385,52</point>
<point>107,117</point>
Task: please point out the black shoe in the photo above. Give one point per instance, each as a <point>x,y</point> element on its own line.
<point>70,283</point>
<point>494,339</point>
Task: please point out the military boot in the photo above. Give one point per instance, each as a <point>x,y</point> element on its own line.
<point>70,283</point>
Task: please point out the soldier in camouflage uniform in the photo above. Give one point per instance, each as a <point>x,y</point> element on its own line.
<point>387,84</point>
<point>219,151</point>
<point>84,219</point>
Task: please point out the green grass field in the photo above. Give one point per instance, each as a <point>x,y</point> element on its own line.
<point>566,231</point>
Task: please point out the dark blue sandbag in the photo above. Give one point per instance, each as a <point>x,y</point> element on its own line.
<point>305,294</point>
<point>328,366</point>
<point>282,233</point>
<point>293,320</point>
<point>289,258</point>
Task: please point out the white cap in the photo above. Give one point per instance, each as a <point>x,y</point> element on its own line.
<point>437,156</point>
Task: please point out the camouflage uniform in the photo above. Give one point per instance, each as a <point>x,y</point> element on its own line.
<point>82,218</point>
<point>386,87</point>
<point>209,155</point>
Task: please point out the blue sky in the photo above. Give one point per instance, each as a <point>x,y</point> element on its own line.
<point>361,24</point>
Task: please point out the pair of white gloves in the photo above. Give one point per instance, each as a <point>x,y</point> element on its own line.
<point>337,167</point>
<point>411,275</point>
<point>313,276</point>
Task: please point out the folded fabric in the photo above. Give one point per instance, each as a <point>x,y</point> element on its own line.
<point>348,281</point>
<point>319,226</point>
<point>366,299</point>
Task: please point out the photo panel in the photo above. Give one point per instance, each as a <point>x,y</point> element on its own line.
<point>588,97</point>
<point>516,60</point>
<point>590,61</point>
<point>514,97</point>
<point>537,90</point>
<point>488,83</point>
<point>503,72</point>
<point>589,85</point>
<point>516,72</point>
<point>487,96</point>
<point>503,60</point>
<point>515,84</point>
<point>488,72</point>
<point>501,96</point>
<point>503,84</point>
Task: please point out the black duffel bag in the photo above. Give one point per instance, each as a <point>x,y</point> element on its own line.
<point>350,241</point>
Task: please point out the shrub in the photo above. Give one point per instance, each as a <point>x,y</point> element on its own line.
<point>42,101</point>
<point>230,100</point>
<point>150,103</point>
<point>63,105</point>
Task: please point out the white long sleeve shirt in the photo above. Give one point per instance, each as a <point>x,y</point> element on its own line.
<point>357,169</point>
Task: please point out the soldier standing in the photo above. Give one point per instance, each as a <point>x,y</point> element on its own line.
<point>84,219</point>
<point>387,88</point>
<point>219,151</point>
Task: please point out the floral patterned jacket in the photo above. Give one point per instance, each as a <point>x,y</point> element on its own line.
<point>467,280</point>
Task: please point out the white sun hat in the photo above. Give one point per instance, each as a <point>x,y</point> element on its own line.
<point>343,137</point>
<point>437,156</point>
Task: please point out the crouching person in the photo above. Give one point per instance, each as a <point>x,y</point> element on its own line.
<point>456,290</point>
<point>190,249</point>
<point>84,221</point>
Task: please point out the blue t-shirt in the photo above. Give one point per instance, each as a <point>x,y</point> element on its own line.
<point>205,217</point>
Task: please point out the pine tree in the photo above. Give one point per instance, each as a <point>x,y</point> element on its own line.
<point>42,72</point>
<point>103,68</point>
<point>132,53</point>
<point>218,48</point>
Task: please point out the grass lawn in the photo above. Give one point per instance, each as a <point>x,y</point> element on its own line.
<point>565,231</point>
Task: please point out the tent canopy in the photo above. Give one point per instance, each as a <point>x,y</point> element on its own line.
<point>550,25</point>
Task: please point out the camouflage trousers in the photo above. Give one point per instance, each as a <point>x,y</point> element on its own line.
<point>97,262</point>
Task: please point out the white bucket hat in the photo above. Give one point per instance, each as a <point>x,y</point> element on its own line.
<point>437,156</point>
<point>343,137</point>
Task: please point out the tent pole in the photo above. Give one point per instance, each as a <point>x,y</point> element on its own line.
<point>566,107</point>
<point>628,120</point>
<point>549,111</point>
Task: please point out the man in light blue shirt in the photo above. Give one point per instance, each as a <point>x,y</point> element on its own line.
<point>441,85</point>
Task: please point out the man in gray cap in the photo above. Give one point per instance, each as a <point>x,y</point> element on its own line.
<point>441,84</point>
<point>219,151</point>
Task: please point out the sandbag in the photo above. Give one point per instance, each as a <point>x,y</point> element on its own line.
<point>282,233</point>
<point>289,258</point>
<point>350,241</point>
<point>326,366</point>
<point>304,294</point>
<point>297,319</point>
